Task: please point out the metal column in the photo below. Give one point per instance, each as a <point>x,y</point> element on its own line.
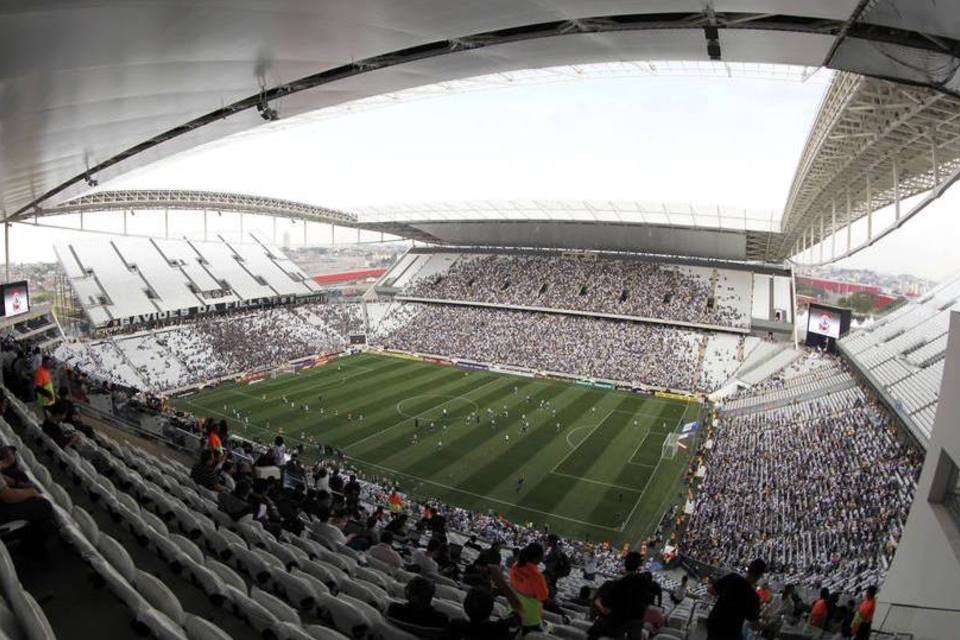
<point>896,190</point>
<point>241,226</point>
<point>869,211</point>
<point>124,222</point>
<point>333,234</point>
<point>833,229</point>
<point>6,249</point>
<point>166,223</point>
<point>274,229</point>
<point>304,233</point>
<point>848,221</point>
<point>822,242</point>
<point>204,225</point>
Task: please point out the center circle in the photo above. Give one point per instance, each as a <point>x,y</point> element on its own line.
<point>455,406</point>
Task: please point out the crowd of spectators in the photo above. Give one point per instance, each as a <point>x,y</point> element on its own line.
<point>584,283</point>
<point>212,347</point>
<point>821,489</point>
<point>630,352</point>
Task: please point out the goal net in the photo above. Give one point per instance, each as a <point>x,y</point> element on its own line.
<point>670,446</point>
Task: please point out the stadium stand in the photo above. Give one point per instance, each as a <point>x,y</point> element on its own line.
<point>124,279</point>
<point>806,471</point>
<point>215,347</point>
<point>902,353</point>
<point>636,353</point>
<point>581,283</point>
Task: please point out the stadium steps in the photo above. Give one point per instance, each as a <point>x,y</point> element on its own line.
<point>75,606</point>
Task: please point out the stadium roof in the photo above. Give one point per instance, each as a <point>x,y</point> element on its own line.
<point>92,90</point>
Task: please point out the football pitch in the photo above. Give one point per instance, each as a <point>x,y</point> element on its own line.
<point>590,459</point>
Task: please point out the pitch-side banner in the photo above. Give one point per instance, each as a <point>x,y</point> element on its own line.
<point>824,322</point>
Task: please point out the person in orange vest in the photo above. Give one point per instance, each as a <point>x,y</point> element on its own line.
<point>530,586</point>
<point>818,614</point>
<point>395,501</point>
<point>763,592</point>
<point>43,385</point>
<point>863,620</point>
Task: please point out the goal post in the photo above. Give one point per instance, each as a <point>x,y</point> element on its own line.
<point>669,451</point>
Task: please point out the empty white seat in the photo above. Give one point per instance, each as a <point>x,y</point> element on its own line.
<point>280,610</point>
<point>199,629</point>
<point>116,555</point>
<point>159,596</point>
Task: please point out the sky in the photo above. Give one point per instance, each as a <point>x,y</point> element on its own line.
<point>706,141</point>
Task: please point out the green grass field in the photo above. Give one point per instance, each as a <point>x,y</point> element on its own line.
<point>600,475</point>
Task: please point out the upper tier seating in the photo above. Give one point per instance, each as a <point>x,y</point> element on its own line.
<point>597,284</point>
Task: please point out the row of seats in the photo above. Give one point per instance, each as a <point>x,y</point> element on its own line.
<point>146,618</point>
<point>276,587</point>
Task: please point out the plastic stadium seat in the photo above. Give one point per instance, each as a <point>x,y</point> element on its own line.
<point>155,522</point>
<point>371,575</point>
<point>127,501</point>
<point>159,626</point>
<point>327,574</point>
<point>199,629</point>
<point>295,590</point>
<point>117,555</point>
<point>453,611</point>
<point>359,590</point>
<point>452,594</point>
<point>86,523</point>
<point>230,577</point>
<point>389,632</point>
<point>568,632</point>
<point>280,609</point>
<point>318,587</point>
<point>159,596</point>
<point>188,547</point>
<point>60,496</point>
<point>283,553</point>
<point>347,619</point>
<point>250,563</point>
<point>256,615</point>
<point>269,558</point>
<point>323,633</point>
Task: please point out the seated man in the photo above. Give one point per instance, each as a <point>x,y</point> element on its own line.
<point>26,504</point>
<point>325,531</point>
<point>417,615</point>
<point>383,551</point>
<point>206,472</point>
<point>424,560</point>
<point>54,427</point>
<point>478,605</point>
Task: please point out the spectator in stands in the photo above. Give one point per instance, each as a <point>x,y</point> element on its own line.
<point>236,503</point>
<point>623,603</point>
<point>818,613</point>
<point>206,472</point>
<point>862,623</point>
<point>478,605</point>
<point>773,615</point>
<point>737,602</point>
<point>28,505</point>
<point>426,562</point>
<point>417,615</point>
<point>556,564</point>
<point>54,427</point>
<point>846,614</point>
<point>325,531</point>
<point>43,384</point>
<point>530,586</point>
<point>680,592</point>
<point>384,552</point>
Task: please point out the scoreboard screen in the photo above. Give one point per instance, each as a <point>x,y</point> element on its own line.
<point>16,298</point>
